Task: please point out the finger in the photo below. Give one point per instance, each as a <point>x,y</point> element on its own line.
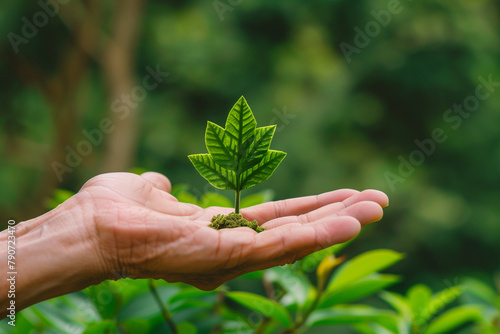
<point>164,202</point>
<point>288,243</point>
<point>365,212</point>
<point>160,181</point>
<point>139,190</point>
<point>295,206</point>
<point>368,195</point>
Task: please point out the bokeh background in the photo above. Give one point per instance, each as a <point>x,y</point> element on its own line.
<point>344,121</point>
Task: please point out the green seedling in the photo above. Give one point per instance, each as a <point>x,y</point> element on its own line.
<point>238,158</point>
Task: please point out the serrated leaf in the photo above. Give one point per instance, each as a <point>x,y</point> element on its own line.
<point>260,304</point>
<point>223,154</point>
<point>217,176</point>
<point>259,147</point>
<point>263,170</point>
<point>241,124</point>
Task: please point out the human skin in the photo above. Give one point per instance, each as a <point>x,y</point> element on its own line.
<point>127,225</point>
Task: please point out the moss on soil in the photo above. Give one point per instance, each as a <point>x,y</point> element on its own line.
<point>234,220</point>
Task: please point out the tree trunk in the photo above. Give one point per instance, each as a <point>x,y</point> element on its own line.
<point>118,69</point>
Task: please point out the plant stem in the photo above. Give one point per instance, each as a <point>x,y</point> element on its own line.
<point>237,202</point>
<point>164,311</point>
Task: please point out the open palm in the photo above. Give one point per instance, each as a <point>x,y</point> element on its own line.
<point>143,231</point>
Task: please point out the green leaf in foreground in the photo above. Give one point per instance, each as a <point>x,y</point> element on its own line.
<point>454,318</point>
<point>238,156</point>
<point>260,304</point>
<point>349,315</point>
<point>360,289</point>
<point>362,266</point>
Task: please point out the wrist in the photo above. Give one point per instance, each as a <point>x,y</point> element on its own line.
<point>56,254</point>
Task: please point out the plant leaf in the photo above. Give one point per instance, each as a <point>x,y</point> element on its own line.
<point>440,300</point>
<point>325,268</point>
<point>295,284</point>
<point>360,289</point>
<point>224,155</point>
<point>240,126</point>
<point>263,170</point>
<point>308,263</point>
<point>217,176</point>
<point>348,315</point>
<point>362,266</point>
<point>454,318</point>
<point>136,326</point>
<point>186,328</point>
<point>259,147</point>
<point>188,294</point>
<point>372,328</point>
<point>105,326</point>
<point>419,297</point>
<point>260,304</point>
<point>481,290</point>
<point>398,302</point>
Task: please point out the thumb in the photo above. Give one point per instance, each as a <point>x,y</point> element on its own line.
<point>160,181</point>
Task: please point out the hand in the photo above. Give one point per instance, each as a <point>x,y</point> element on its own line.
<point>143,231</point>
<point>126,225</point>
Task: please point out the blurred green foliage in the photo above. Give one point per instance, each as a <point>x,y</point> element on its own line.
<point>342,124</point>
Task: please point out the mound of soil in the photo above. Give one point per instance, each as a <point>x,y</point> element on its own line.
<point>234,220</point>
